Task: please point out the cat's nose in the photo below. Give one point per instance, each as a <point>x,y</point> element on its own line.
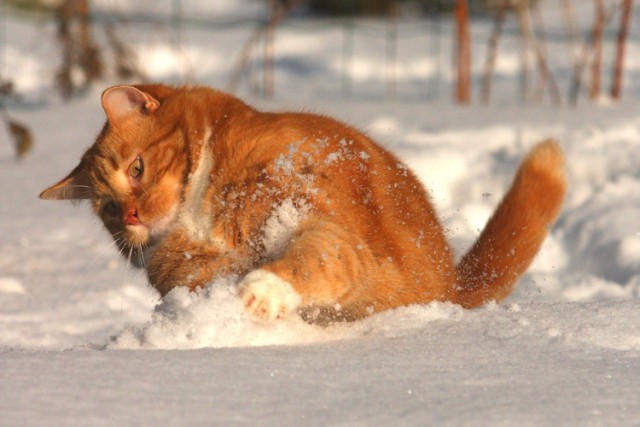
<point>132,217</point>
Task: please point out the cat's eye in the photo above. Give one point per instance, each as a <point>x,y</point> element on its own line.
<point>136,168</point>
<point>110,208</point>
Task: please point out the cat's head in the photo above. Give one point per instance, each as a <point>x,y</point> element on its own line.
<point>133,174</point>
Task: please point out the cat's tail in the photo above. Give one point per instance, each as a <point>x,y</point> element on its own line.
<point>515,232</point>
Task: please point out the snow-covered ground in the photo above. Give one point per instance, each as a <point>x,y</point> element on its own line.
<point>84,341</point>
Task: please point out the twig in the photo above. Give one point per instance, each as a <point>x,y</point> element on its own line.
<point>616,85</point>
<point>463,54</point>
<point>492,51</point>
<point>243,58</point>
<point>596,65</point>
<point>22,137</point>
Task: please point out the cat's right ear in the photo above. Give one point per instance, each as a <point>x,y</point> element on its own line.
<point>121,103</point>
<point>75,186</point>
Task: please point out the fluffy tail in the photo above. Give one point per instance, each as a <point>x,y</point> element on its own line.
<point>513,235</point>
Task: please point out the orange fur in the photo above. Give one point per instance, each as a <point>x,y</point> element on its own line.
<point>216,172</point>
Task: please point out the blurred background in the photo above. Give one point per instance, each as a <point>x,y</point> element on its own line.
<point>557,53</point>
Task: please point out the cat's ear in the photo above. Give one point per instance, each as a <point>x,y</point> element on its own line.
<point>75,186</point>
<point>124,102</point>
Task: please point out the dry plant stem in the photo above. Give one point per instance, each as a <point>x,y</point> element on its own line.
<point>625,16</point>
<point>64,35</point>
<point>90,54</point>
<point>78,48</point>
<point>523,22</point>
<point>126,67</point>
<point>530,41</point>
<point>571,31</point>
<point>492,52</point>
<point>463,53</point>
<point>596,65</point>
<point>582,60</point>
<point>19,132</point>
<point>240,69</point>
<point>541,43</point>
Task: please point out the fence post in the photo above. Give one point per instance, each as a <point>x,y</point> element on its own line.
<point>463,53</point>
<point>625,16</point>
<point>596,65</point>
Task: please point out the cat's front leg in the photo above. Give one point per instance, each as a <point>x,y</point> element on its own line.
<point>179,260</point>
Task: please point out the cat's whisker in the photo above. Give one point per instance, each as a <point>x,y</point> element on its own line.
<point>142,250</point>
<point>141,254</point>
<point>121,245</point>
<point>104,252</point>
<point>129,258</point>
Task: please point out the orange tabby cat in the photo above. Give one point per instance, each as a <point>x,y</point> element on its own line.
<point>194,182</point>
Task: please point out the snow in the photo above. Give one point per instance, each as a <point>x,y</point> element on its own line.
<point>281,226</point>
<point>85,341</point>
<point>9,285</point>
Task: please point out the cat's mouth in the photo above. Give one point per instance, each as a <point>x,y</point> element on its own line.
<point>137,234</point>
<point>140,231</point>
<point>141,235</point>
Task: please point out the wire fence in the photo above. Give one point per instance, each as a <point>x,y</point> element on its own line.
<point>572,53</point>
<point>392,42</point>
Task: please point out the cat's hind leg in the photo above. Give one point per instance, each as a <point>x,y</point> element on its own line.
<point>267,296</point>
<point>323,266</point>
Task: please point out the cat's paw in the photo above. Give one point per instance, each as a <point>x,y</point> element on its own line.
<point>266,296</point>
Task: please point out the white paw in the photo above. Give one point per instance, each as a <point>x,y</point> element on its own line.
<point>266,296</point>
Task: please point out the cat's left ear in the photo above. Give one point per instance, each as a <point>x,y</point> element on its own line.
<point>75,186</point>
<point>125,102</point>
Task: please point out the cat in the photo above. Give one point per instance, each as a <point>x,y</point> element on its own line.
<point>192,182</point>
